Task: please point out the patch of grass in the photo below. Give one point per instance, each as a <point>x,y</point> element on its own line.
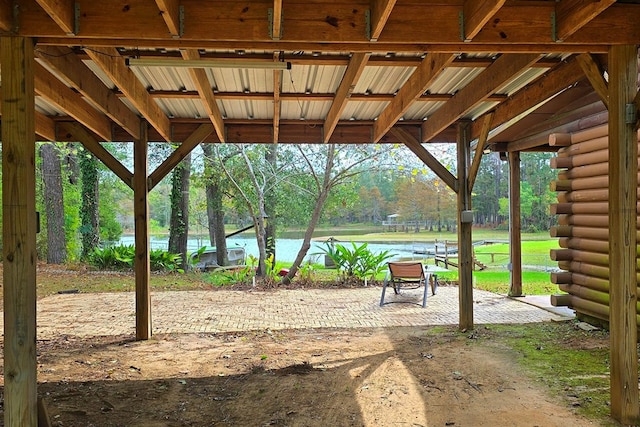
<point>573,364</point>
<point>533,282</point>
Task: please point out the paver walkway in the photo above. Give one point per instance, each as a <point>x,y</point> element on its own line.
<point>227,311</point>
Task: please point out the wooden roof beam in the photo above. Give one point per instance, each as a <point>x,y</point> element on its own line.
<point>594,73</point>
<point>534,93</point>
<point>572,15</point>
<point>59,94</point>
<point>414,145</point>
<point>171,13</point>
<point>476,14</point>
<point>276,20</point>
<point>494,76</point>
<point>516,23</point>
<point>277,88</point>
<point>6,15</point>
<point>114,66</point>
<point>201,81</point>
<point>417,84</point>
<point>94,146</point>
<point>380,11</point>
<point>477,157</point>
<point>349,79</point>
<point>63,12</point>
<point>71,68</point>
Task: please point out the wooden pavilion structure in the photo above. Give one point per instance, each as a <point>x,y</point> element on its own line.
<point>496,73</point>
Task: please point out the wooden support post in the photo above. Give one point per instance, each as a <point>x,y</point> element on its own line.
<point>515,238</point>
<point>623,169</point>
<point>141,213</point>
<point>465,252</point>
<point>19,231</point>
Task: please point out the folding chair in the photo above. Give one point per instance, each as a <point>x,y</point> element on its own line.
<point>406,275</point>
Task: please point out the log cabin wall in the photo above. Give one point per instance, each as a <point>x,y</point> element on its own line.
<point>582,190</point>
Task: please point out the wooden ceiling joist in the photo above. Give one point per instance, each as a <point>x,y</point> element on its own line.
<point>380,11</point>
<point>64,98</point>
<point>277,88</point>
<point>203,86</point>
<point>77,75</point>
<point>335,22</point>
<point>63,12</point>
<point>594,73</point>
<point>494,76</point>
<point>476,14</point>
<point>170,11</point>
<point>572,15</point>
<point>347,84</point>
<point>6,15</point>
<point>533,94</point>
<point>428,70</point>
<point>276,20</point>
<point>110,61</point>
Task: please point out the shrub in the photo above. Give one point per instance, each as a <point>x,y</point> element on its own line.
<point>357,261</point>
<point>121,258</point>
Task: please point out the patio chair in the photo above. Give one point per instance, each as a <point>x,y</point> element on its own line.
<point>407,275</point>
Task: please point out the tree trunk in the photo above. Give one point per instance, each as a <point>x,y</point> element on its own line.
<point>215,211</point>
<point>179,223</point>
<point>270,208</point>
<point>54,204</point>
<point>89,214</point>
<point>323,193</point>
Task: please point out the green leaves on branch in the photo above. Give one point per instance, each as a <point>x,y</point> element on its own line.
<point>122,257</point>
<point>357,261</point>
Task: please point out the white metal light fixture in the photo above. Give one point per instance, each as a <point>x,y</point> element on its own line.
<point>206,63</point>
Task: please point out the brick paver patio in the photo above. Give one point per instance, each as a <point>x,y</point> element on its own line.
<point>228,311</point>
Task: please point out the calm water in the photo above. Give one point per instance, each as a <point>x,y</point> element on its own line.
<point>287,249</point>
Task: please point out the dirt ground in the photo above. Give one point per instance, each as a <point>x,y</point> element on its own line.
<point>357,377</point>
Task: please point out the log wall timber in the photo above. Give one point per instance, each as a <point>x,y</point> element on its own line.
<point>583,221</point>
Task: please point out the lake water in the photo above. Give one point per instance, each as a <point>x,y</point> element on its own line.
<point>287,249</point>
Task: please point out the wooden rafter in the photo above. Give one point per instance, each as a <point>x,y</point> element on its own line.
<point>516,23</point>
<point>277,87</point>
<point>533,94</point>
<point>380,11</point>
<point>572,15</point>
<point>428,70</point>
<point>94,146</point>
<point>201,81</point>
<point>6,15</point>
<point>178,154</point>
<point>494,76</point>
<point>110,61</point>
<point>62,12</point>
<point>482,142</point>
<point>170,11</point>
<point>59,94</point>
<point>476,14</point>
<point>277,20</point>
<point>349,79</point>
<point>414,145</point>
<point>594,73</point>
<point>77,75</point>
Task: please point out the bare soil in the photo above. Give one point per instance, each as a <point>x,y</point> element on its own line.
<point>310,378</point>
<point>357,377</point>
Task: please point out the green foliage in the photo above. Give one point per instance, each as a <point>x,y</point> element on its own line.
<point>121,258</point>
<point>357,261</point>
